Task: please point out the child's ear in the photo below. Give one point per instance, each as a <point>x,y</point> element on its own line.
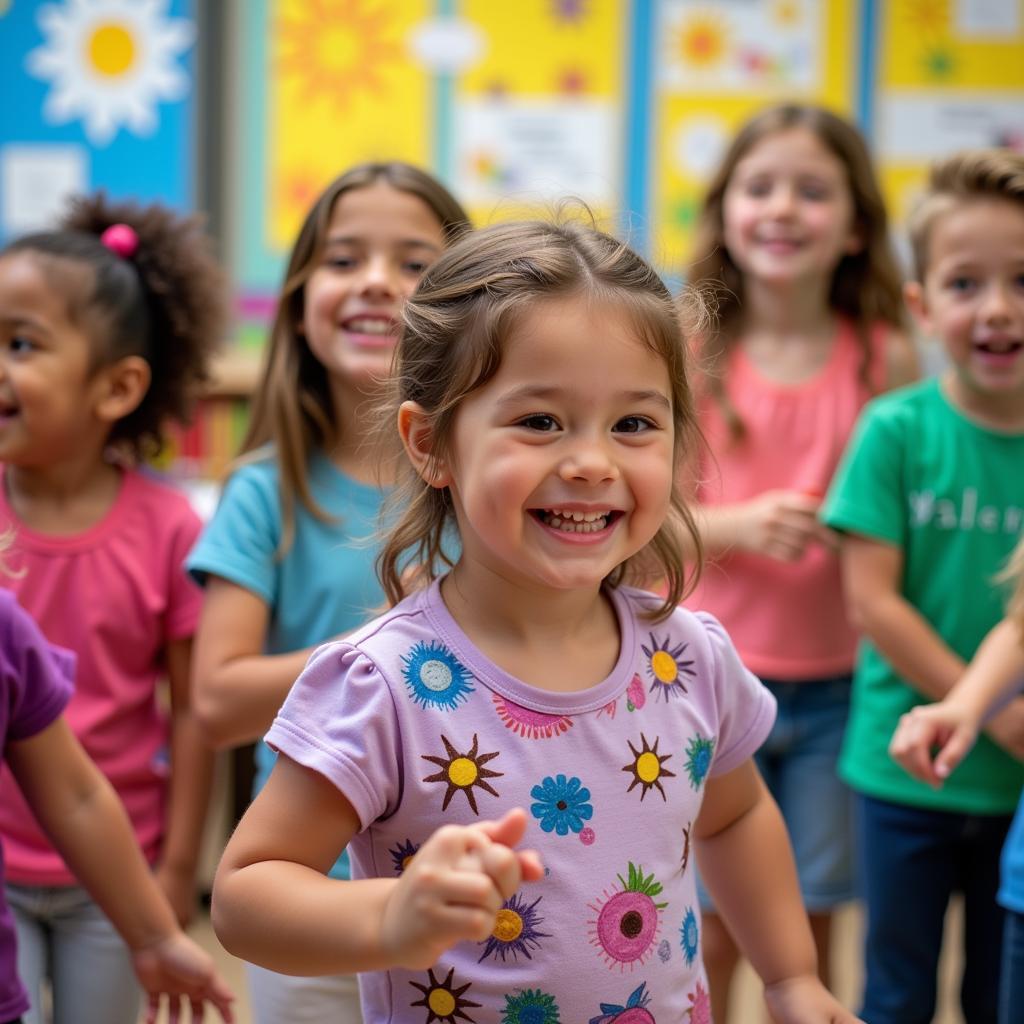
<point>913,296</point>
<point>417,439</point>
<point>121,388</point>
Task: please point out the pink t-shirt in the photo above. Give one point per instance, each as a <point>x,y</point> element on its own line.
<point>116,595</point>
<point>787,620</point>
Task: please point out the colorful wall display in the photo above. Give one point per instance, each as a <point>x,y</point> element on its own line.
<point>950,76</point>
<point>97,93</point>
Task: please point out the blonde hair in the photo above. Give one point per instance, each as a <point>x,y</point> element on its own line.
<point>866,285</point>
<point>965,176</point>
<point>291,406</point>
<point>456,326</point>
<point>1013,574</point>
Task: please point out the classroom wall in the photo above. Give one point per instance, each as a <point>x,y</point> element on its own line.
<point>246,109</point>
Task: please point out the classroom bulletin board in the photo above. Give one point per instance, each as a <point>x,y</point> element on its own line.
<point>95,94</point>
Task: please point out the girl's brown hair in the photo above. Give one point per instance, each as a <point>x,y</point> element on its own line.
<point>165,302</point>
<point>866,285</point>
<point>456,326</point>
<point>292,406</point>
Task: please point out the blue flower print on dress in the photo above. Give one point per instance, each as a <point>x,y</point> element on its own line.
<point>530,1006</point>
<point>435,677</point>
<point>562,804</point>
<point>689,936</point>
<point>699,754</point>
<point>634,1010</point>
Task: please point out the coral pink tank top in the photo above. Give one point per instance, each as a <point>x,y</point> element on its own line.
<point>786,619</point>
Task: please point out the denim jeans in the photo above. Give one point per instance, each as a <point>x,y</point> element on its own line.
<point>65,940</point>
<point>911,861</point>
<point>1011,981</point>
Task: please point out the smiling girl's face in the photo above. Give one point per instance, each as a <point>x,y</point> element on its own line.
<point>379,241</point>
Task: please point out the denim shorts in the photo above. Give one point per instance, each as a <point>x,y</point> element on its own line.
<point>798,764</point>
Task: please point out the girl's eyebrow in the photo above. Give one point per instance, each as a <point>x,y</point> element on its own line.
<point>23,321</point>
<point>525,392</point>
<point>401,243</point>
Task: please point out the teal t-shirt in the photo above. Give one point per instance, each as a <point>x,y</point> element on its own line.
<point>950,494</point>
<point>326,583</point>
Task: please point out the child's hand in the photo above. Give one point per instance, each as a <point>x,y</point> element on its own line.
<point>177,968</point>
<point>805,1000</point>
<point>926,727</point>
<point>454,887</point>
<point>781,524</point>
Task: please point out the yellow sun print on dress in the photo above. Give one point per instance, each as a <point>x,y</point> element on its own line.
<point>109,63</point>
<point>333,49</point>
<point>444,1002</point>
<point>462,771</point>
<point>647,767</point>
<point>666,667</point>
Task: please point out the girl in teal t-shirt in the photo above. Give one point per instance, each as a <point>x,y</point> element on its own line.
<point>286,561</point>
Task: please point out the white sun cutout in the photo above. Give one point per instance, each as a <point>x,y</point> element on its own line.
<point>109,62</point>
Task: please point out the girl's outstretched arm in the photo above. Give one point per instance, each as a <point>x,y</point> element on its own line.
<point>952,725</point>
<point>188,796</point>
<point>84,818</point>
<point>745,859</point>
<point>274,905</point>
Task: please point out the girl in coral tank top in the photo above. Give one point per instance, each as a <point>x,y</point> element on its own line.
<point>793,239</point>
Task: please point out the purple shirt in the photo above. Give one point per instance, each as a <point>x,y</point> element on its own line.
<point>418,729</point>
<point>35,686</point>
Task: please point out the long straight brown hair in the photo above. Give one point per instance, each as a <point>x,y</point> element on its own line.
<point>292,408</point>
<point>866,285</point>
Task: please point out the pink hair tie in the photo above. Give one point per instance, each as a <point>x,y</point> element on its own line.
<point>121,239</point>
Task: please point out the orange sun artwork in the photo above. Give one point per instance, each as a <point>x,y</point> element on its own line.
<point>334,49</point>
<point>702,40</point>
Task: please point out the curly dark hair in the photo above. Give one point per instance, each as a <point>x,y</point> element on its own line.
<point>167,303</point>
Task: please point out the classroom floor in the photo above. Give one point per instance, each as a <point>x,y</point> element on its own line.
<point>747,1005</point>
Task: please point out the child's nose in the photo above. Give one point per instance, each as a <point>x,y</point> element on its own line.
<point>379,277</point>
<point>996,303</point>
<point>782,200</point>
<point>589,462</point>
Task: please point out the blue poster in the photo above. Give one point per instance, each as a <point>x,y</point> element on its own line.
<point>98,94</point>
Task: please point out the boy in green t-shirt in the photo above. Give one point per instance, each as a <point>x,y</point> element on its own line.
<point>930,499</point>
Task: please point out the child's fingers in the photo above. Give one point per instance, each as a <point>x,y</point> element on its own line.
<point>508,830</point>
<point>531,867</point>
<point>954,751</point>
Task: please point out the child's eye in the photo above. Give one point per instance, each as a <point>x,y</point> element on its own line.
<point>21,345</point>
<point>813,191</point>
<point>417,267</point>
<point>757,187</point>
<point>539,421</point>
<point>961,283</point>
<point>634,425</point>
<point>341,262</point>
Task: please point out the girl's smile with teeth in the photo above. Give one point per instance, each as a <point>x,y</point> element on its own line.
<point>569,521</point>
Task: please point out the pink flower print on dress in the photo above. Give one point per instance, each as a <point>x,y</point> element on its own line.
<point>626,926</point>
<point>700,1011</point>
<point>534,725</point>
<point>635,695</point>
<point>633,1012</point>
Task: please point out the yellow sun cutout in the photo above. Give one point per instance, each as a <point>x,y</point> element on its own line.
<point>462,771</point>
<point>702,41</point>
<point>333,49</point>
<point>443,1001</point>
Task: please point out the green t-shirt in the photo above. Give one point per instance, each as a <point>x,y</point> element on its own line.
<point>919,475</point>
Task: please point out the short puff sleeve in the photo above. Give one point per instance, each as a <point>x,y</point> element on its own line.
<point>340,720</point>
<point>746,709</point>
